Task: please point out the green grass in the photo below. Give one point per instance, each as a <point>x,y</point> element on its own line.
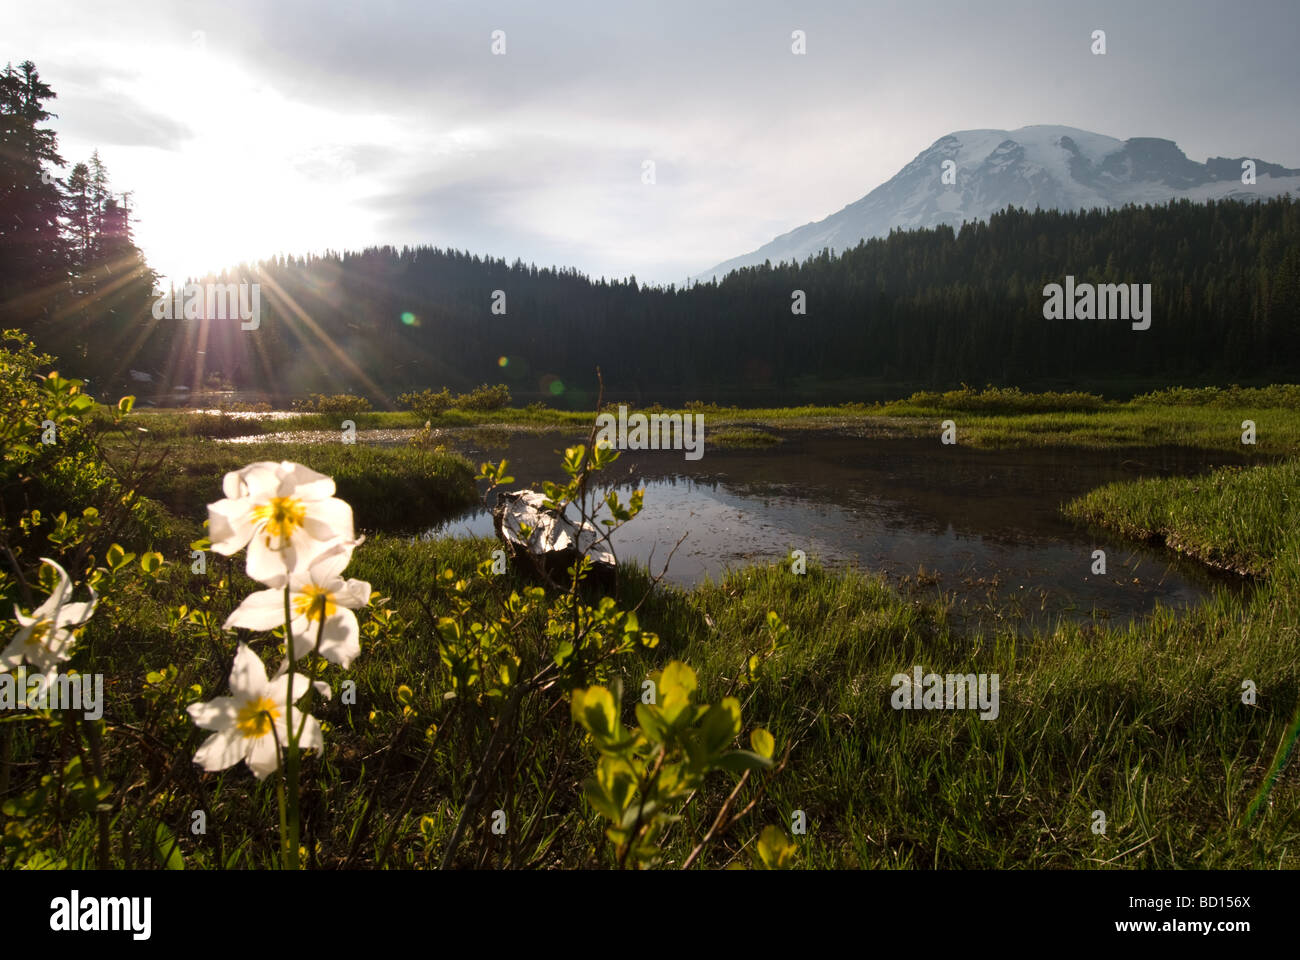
<point>1242,519</point>
<point>1144,722</point>
<point>397,487</point>
<point>743,437</point>
<point>1207,418</point>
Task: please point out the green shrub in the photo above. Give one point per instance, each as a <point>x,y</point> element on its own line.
<point>1274,395</point>
<point>1004,400</point>
<point>338,403</point>
<point>427,403</point>
<point>484,397</point>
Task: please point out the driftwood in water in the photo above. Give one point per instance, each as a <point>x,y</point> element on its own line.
<point>554,542</point>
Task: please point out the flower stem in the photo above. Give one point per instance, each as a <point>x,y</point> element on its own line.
<point>284,829</point>
<point>290,859</point>
<point>311,667</point>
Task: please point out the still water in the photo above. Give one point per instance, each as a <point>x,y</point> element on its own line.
<point>982,527</point>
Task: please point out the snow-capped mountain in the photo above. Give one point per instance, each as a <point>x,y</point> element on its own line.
<point>1036,166</point>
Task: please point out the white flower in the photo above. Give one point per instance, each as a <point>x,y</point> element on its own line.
<point>250,721</point>
<point>45,638</point>
<point>316,593</point>
<point>283,512</point>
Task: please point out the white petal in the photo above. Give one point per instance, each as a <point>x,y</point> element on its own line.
<point>76,614</point>
<point>47,659</point>
<point>330,561</point>
<point>311,738</point>
<point>328,519</point>
<point>220,751</point>
<point>353,594</point>
<point>263,759</point>
<point>278,689</point>
<point>257,481</point>
<point>304,637</point>
<point>247,676</point>
<point>215,714</point>
<point>60,593</point>
<point>266,564</point>
<point>263,610</point>
<point>12,657</point>
<point>323,689</point>
<point>56,646</point>
<point>230,525</point>
<point>232,484</point>
<point>303,483</point>
<point>342,639</point>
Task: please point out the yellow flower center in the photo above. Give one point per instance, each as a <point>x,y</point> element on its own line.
<point>282,516</point>
<point>39,632</point>
<point>255,718</point>
<point>315,603</point>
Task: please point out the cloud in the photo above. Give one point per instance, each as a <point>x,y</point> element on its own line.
<point>398,116</point>
<point>106,118</point>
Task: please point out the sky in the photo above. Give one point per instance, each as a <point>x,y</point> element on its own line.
<point>249,128</point>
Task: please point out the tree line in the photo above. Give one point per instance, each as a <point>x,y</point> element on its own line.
<point>928,308</point>
<point>70,273</point>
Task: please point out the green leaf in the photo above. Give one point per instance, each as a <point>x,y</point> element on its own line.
<point>646,812</point>
<point>651,725</point>
<point>775,851</point>
<point>563,652</point>
<point>676,687</point>
<point>738,761</point>
<point>721,725</point>
<point>763,743</point>
<point>600,801</point>
<point>151,562</point>
<point>594,709</point>
<point>166,850</point>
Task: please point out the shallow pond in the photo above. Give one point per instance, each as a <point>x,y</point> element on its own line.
<point>983,526</point>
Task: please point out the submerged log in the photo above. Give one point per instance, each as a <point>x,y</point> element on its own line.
<point>554,542</point>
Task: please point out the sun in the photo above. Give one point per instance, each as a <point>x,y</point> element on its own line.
<point>251,173</point>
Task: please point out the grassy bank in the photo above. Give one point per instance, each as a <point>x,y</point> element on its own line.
<point>393,487</point>
<point>1209,418</point>
<point>1144,723</point>
<point>1235,518</point>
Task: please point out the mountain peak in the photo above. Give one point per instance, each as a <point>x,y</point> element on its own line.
<point>1042,165</point>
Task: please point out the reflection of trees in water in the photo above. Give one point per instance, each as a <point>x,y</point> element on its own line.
<point>995,501</point>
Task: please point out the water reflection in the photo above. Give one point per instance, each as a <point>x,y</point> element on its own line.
<point>982,526</point>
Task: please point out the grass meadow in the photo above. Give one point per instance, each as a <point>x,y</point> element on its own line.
<point>1145,724</point>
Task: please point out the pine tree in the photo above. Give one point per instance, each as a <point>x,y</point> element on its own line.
<point>33,255</point>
